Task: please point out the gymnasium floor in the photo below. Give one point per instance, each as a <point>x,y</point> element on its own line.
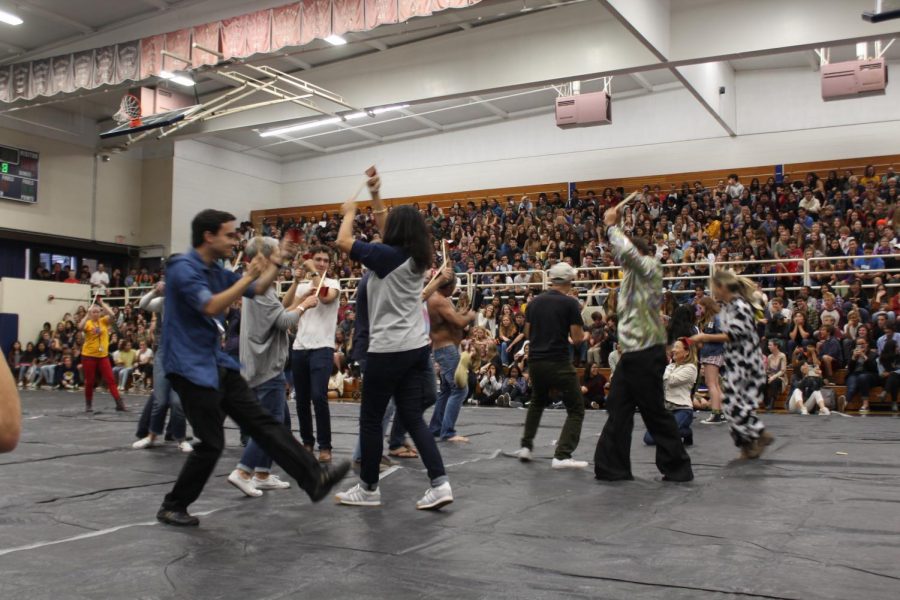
<point>816,518</point>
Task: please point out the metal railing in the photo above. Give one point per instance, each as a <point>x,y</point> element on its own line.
<point>595,283</point>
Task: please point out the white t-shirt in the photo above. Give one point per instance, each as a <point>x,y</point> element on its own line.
<point>318,325</point>
<point>100,280</point>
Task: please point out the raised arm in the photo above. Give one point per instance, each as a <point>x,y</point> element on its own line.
<point>153,301</point>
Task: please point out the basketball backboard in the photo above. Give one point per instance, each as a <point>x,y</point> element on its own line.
<point>152,122</point>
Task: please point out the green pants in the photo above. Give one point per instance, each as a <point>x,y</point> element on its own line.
<point>558,375</point>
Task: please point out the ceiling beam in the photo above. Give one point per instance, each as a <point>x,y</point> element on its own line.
<point>420,119</point>
<point>491,107</point>
<point>52,16</point>
<point>360,131</point>
<point>642,81</point>
<point>296,61</point>
<point>303,143</point>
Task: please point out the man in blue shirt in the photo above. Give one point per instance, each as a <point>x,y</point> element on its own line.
<point>208,380</point>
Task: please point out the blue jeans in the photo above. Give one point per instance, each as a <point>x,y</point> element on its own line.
<point>311,369</point>
<point>683,418</point>
<point>271,397</point>
<point>504,356</point>
<point>164,397</point>
<point>860,383</point>
<point>450,397</point>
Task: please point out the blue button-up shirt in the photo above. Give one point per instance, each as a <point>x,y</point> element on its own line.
<point>191,341</point>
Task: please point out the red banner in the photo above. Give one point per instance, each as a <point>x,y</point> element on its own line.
<point>286,26</point>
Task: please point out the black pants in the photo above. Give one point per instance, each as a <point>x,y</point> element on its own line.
<point>638,382</point>
<point>205,409</point>
<point>409,378</point>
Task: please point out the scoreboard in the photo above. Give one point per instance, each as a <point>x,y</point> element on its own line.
<point>18,174</point>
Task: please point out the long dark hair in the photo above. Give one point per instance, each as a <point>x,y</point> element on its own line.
<point>405,228</point>
<point>888,354</point>
<point>681,324</point>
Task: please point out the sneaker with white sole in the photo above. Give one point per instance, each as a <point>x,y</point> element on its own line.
<point>714,419</point>
<point>145,442</point>
<point>824,411</point>
<point>272,482</point>
<point>568,463</point>
<point>804,411</point>
<point>184,446</point>
<point>357,496</point>
<point>436,497</point>
<point>523,454</point>
<point>245,485</point>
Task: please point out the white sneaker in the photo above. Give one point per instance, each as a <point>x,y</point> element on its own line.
<point>272,482</point>
<point>147,442</point>
<point>569,463</point>
<point>357,496</point>
<point>824,411</point>
<point>523,454</point>
<point>803,411</point>
<point>184,446</point>
<point>436,497</point>
<point>245,485</point>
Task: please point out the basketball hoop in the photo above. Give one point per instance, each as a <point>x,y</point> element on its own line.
<point>129,111</point>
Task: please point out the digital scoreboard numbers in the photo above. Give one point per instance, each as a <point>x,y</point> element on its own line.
<point>18,174</point>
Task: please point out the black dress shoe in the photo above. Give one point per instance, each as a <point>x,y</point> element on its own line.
<point>169,437</point>
<point>689,440</point>
<point>179,518</point>
<point>329,477</point>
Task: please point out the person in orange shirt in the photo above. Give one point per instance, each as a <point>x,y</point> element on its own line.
<point>95,353</point>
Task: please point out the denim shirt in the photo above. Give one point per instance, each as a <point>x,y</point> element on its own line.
<point>192,341</point>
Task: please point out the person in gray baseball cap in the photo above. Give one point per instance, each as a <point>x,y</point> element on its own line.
<point>552,318</point>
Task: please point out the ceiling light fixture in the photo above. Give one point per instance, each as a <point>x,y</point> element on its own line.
<point>331,120</point>
<point>9,18</point>
<point>335,40</point>
<point>175,78</point>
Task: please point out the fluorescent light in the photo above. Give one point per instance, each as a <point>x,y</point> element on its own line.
<point>182,80</point>
<point>300,127</point>
<point>355,116</point>
<point>9,18</point>
<point>335,40</point>
<point>385,109</point>
<point>175,78</point>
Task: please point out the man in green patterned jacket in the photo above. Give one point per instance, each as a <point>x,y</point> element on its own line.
<point>639,374</point>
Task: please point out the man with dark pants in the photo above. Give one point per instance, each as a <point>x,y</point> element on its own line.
<point>207,380</point>
<point>312,359</point>
<point>553,318</point>
<point>639,373</point>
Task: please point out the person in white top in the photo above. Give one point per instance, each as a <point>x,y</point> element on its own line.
<point>679,379</point>
<point>100,280</point>
<point>312,358</point>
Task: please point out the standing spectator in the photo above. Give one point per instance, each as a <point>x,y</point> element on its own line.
<point>313,355</point>
<point>100,280</point>
<point>711,357</point>
<point>95,354</point>
<point>776,368</point>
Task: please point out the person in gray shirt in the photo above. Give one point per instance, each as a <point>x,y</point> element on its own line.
<point>264,347</point>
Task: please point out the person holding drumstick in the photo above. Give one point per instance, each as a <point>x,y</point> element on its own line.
<point>95,353</point>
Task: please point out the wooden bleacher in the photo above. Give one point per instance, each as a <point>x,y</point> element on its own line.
<point>707,178</point>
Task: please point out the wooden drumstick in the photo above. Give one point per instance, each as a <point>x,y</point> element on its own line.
<point>321,281</point>
<point>441,269</point>
<point>622,204</point>
<point>237,261</point>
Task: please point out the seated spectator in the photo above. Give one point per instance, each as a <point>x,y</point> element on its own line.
<point>336,384</point>
<point>807,395</point>
<point>491,386</point>
<point>123,364</point>
<point>829,308</point>
<point>67,376</point>
<point>679,379</point>
<point>862,375</point>
<point>830,352</point>
<point>593,387</point>
<point>799,336</point>
<point>487,320</point>
<point>515,391</point>
<point>145,365</point>
<point>776,369</point>
<point>889,371</point>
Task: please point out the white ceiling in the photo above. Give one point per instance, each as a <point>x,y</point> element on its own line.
<point>56,26</point>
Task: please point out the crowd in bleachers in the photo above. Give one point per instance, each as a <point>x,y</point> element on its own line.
<point>819,247</point>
